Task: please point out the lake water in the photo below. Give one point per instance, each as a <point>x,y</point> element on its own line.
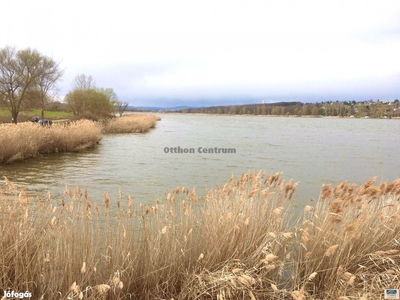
<point>313,151</point>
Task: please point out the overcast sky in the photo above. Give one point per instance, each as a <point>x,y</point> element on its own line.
<point>168,53</point>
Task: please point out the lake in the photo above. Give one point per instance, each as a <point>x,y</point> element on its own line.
<point>313,151</point>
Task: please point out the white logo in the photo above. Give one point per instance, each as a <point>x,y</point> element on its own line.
<point>18,295</point>
<point>392,294</point>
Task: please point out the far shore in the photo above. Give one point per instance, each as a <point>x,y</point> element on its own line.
<point>275,116</point>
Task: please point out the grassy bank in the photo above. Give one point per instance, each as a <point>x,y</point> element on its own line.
<point>27,115</point>
<point>27,139</point>
<point>132,123</point>
<point>48,113</point>
<point>235,243</point>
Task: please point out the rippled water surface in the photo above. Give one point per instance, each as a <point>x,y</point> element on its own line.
<point>312,151</point>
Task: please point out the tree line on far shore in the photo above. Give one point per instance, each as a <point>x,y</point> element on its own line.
<point>29,80</point>
<point>373,109</point>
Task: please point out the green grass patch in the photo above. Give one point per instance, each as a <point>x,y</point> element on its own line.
<point>5,115</point>
<point>4,112</point>
<point>47,113</point>
<point>37,112</point>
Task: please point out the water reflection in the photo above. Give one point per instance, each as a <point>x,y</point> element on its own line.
<point>312,151</point>
<point>48,171</point>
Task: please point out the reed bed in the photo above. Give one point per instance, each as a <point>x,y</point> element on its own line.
<point>132,123</point>
<point>27,139</point>
<point>349,243</point>
<point>240,241</point>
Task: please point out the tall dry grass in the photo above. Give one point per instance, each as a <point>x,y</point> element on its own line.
<point>238,242</point>
<point>132,123</point>
<point>24,140</point>
<point>349,243</point>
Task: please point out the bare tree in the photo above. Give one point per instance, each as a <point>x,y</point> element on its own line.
<point>121,107</point>
<point>18,71</point>
<point>22,72</point>
<point>83,82</point>
<point>46,82</point>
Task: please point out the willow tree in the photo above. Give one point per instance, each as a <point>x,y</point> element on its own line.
<point>88,101</point>
<point>23,71</point>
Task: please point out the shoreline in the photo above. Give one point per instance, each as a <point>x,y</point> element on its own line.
<point>26,140</point>
<point>277,116</point>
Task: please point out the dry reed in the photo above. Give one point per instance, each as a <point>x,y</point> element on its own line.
<point>350,240</point>
<point>132,123</point>
<point>234,243</point>
<point>24,140</point>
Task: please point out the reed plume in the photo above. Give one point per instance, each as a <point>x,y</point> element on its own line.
<point>26,140</point>
<point>132,123</point>
<point>243,240</point>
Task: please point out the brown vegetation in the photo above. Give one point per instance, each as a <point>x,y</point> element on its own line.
<point>132,123</point>
<point>24,140</point>
<point>238,242</point>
